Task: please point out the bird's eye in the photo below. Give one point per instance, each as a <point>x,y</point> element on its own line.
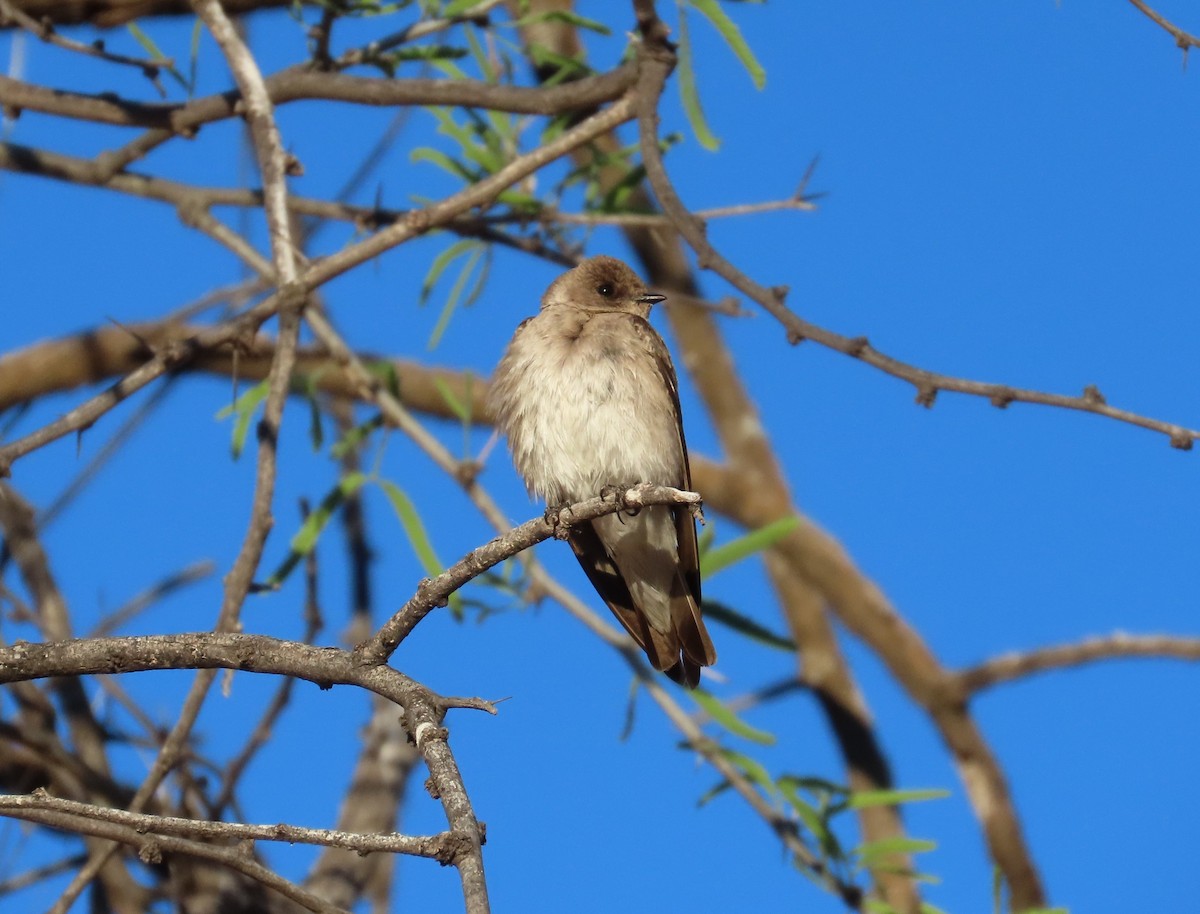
<point>605,289</point>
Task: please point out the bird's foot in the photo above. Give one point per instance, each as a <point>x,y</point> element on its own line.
<point>558,518</point>
<point>616,493</point>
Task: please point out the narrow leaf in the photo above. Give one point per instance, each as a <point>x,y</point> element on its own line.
<point>244,407</point>
<point>439,158</point>
<point>872,850</point>
<point>713,792</point>
<point>752,768</point>
<point>460,409</point>
<point>310,531</point>
<point>687,90</point>
<point>730,721</point>
<point>731,618</point>
<point>867,798</point>
<point>418,538</point>
<point>354,437</point>
<point>439,264</point>
<point>568,17</point>
<point>151,48</point>
<point>755,541</point>
<point>452,299</point>
<point>711,10</point>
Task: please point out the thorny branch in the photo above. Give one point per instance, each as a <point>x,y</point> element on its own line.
<point>943,693</point>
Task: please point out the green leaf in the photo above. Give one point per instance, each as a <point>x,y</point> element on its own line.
<point>813,820</point>
<point>354,437</point>
<point>752,768</point>
<point>490,159</point>
<point>194,57</point>
<point>568,67</point>
<point>866,798</point>
<point>568,17</point>
<point>310,531</point>
<point>316,429</point>
<point>630,709</point>
<point>420,53</point>
<point>713,792</point>
<point>439,264</point>
<point>730,721</point>
<point>439,158</point>
<point>731,618</point>
<point>687,90</point>
<point>418,538</point>
<point>878,906</point>
<point>711,10</point>
<point>385,371</point>
<point>480,56</point>
<point>244,408</point>
<point>460,409</point>
<point>872,850</point>
<point>456,291</point>
<point>459,7</point>
<point>755,541</point>
<point>151,48</point>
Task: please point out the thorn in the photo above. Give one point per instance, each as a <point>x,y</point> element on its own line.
<point>805,178</point>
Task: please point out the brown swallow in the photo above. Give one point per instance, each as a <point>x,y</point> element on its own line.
<point>587,397</point>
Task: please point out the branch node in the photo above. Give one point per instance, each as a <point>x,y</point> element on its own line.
<point>150,853</point>
<point>1091,394</point>
<point>1001,400</point>
<point>1179,440</point>
<point>926,394</point>
<point>857,346</point>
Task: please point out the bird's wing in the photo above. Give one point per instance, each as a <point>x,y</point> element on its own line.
<point>660,647</point>
<point>689,627</point>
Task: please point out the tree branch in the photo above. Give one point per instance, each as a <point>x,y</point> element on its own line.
<point>1017,665</point>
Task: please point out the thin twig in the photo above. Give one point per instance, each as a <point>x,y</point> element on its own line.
<point>1184,40</point>
<point>46,32</point>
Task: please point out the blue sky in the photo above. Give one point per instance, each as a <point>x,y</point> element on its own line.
<point>1010,195</point>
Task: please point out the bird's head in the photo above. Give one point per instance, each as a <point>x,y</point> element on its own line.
<point>601,284</point>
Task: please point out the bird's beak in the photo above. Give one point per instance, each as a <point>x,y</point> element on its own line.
<point>651,298</point>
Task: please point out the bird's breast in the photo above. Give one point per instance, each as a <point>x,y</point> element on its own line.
<point>586,408</point>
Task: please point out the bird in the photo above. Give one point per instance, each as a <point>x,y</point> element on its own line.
<point>587,397</point>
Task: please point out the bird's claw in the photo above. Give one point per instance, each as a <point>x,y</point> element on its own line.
<point>619,494</point>
<point>555,520</point>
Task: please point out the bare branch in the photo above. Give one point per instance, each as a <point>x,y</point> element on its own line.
<point>300,83</point>
<point>433,846</point>
<point>1017,665</point>
<point>1183,40</point>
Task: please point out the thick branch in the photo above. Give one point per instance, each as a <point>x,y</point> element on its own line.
<point>299,83</point>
